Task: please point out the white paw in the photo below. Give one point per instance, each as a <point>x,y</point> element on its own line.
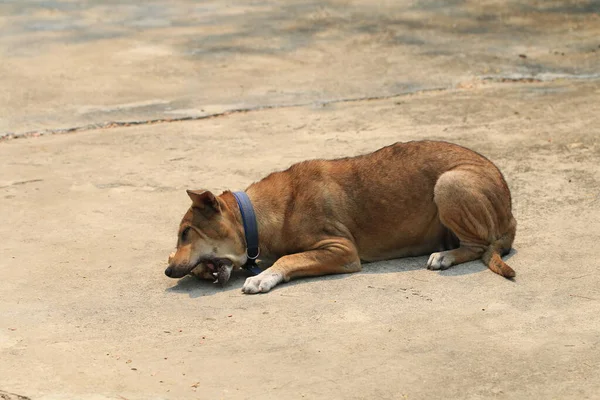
<point>262,282</point>
<point>441,260</point>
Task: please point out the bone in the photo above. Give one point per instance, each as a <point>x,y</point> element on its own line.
<point>224,272</point>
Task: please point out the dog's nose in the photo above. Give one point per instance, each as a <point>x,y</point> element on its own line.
<point>168,271</point>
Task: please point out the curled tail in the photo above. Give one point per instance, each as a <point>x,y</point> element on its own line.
<point>492,259</point>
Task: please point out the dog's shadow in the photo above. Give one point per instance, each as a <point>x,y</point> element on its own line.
<point>419,263</point>
<point>196,287</point>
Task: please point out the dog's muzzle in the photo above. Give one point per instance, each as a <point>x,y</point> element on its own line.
<point>177,272</point>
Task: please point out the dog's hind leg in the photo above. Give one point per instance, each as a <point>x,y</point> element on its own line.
<point>475,206</point>
<point>330,256</point>
<point>446,259</point>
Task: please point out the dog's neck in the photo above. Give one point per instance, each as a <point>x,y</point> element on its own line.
<point>264,221</point>
<point>268,203</point>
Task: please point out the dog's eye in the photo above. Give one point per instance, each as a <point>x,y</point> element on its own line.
<point>185,234</point>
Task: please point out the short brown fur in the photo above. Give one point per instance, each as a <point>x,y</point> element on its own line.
<point>325,216</point>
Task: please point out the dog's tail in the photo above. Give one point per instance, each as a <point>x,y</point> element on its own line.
<point>491,258</point>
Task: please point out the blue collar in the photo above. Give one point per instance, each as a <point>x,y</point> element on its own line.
<point>250,231</point>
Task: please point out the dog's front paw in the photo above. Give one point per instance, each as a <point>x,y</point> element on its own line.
<point>441,260</point>
<point>262,282</point>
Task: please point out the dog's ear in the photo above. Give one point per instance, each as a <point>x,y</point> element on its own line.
<point>204,201</point>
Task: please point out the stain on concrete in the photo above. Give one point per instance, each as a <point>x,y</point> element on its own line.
<point>59,56</point>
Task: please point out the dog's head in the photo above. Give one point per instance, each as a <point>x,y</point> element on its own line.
<point>209,237</point>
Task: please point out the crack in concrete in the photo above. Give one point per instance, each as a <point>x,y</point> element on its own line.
<point>11,396</point>
<point>538,78</point>
<point>118,124</point>
<point>512,78</point>
<point>21,183</point>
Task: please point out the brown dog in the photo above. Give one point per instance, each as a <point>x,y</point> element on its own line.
<point>324,216</point>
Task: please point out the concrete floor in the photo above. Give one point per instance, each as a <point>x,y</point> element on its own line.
<point>109,111</point>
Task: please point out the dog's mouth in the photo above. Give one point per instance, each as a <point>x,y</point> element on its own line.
<point>219,268</point>
<point>213,264</point>
<point>215,268</point>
